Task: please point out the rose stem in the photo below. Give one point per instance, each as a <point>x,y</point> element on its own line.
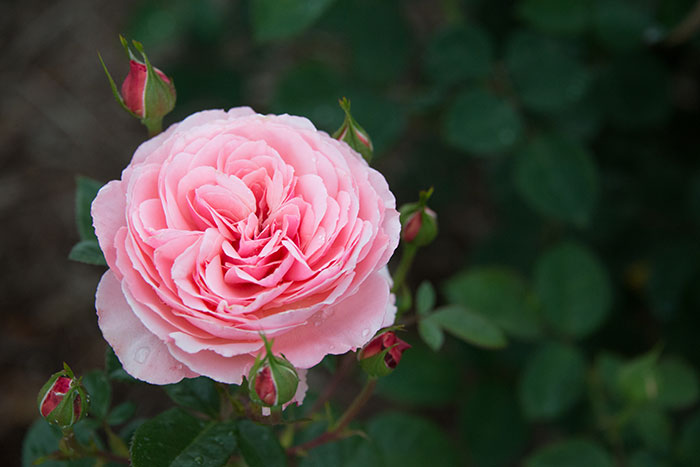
<point>338,376</point>
<point>409,252</point>
<point>336,430</point>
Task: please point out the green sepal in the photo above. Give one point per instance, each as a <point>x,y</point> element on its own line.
<point>284,376</point>
<point>113,85</point>
<point>159,96</point>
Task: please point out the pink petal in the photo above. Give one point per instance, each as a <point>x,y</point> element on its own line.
<point>346,325</point>
<point>143,355</point>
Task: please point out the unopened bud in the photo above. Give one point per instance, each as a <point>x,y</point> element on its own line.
<point>419,222</point>
<point>353,134</point>
<point>147,93</point>
<point>382,354</point>
<point>272,380</point>
<point>62,400</point>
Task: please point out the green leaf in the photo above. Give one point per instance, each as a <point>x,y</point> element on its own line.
<point>678,384</point>
<point>422,379</point>
<point>121,413</point>
<point>571,453</point>
<point>689,441</point>
<point>552,382</point>
<point>176,438</point>
<point>425,298</point>
<point>645,459</point>
<point>620,25</point>
<point>458,54</point>
<point>637,380</point>
<point>280,19</point>
<point>494,431</point>
<point>653,428</point>
<point>259,445</point>
<point>196,393</point>
<point>498,294</point>
<point>481,123</point>
<point>100,392</point>
<point>86,190</point>
<point>406,440</point>
<point>558,178</point>
<point>546,76</point>
<point>355,451</point>
<point>89,252</point>
<point>574,289</point>
<point>469,326</point>
<point>40,441</point>
<point>431,333</point>
<point>555,16</point>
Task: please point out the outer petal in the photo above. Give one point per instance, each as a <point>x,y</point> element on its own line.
<point>346,325</point>
<point>108,216</point>
<point>228,370</point>
<point>142,354</point>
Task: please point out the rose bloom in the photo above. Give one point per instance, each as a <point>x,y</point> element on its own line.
<point>230,224</point>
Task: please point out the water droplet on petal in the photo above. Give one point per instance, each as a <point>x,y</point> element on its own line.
<point>142,354</point>
<point>365,332</point>
<point>331,347</point>
<point>317,323</point>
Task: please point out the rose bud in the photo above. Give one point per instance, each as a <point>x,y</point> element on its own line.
<point>418,221</point>
<point>272,380</point>
<point>62,400</point>
<point>353,134</point>
<point>146,93</point>
<point>382,354</point>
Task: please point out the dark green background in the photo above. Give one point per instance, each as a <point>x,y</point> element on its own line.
<point>562,139</point>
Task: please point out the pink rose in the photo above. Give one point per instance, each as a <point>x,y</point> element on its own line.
<point>229,224</point>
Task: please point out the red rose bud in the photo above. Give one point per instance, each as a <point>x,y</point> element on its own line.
<point>147,93</point>
<point>382,354</point>
<point>62,400</point>
<point>419,222</point>
<point>272,380</point>
<point>353,134</point>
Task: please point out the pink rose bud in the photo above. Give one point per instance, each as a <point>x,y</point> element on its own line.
<point>146,93</point>
<point>353,134</point>
<point>135,86</point>
<point>272,380</point>
<point>62,400</point>
<point>382,354</point>
<point>419,222</point>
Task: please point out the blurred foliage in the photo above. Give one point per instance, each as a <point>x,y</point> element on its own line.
<point>573,125</point>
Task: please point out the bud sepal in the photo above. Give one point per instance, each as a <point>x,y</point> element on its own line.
<point>272,380</point>
<point>62,401</point>
<point>353,134</point>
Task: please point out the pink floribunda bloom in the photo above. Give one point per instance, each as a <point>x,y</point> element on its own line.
<point>231,224</point>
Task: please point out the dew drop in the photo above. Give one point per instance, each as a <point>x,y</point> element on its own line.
<point>365,332</point>
<point>142,354</point>
<point>317,323</point>
<point>331,347</point>
<point>199,460</point>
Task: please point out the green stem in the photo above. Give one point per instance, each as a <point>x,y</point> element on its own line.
<point>336,430</point>
<point>154,126</point>
<point>409,253</point>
